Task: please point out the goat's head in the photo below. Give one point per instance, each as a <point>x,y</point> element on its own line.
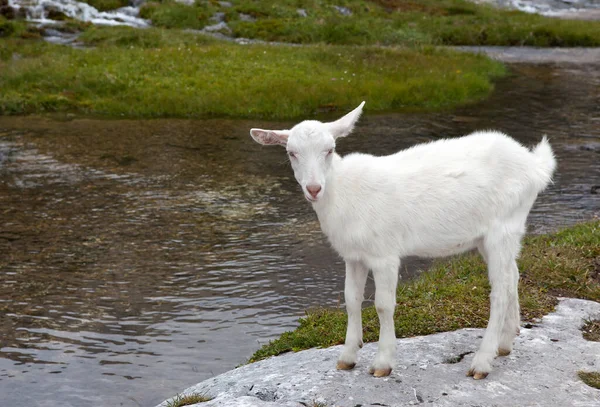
<point>310,146</point>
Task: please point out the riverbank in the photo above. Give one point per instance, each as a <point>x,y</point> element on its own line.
<point>126,72</point>
<point>454,293</point>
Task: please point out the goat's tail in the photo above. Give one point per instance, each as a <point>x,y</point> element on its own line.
<point>545,163</point>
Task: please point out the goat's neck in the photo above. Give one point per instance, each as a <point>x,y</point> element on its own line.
<point>323,204</point>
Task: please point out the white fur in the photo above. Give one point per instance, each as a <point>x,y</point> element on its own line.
<point>431,200</point>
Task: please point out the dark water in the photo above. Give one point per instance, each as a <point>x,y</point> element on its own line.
<point>140,257</point>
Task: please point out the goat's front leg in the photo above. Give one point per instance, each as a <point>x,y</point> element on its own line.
<point>386,279</point>
<point>356,278</point>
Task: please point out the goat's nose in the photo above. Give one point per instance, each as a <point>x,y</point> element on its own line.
<point>313,190</point>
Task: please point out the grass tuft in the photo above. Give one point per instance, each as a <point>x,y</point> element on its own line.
<point>173,14</point>
<point>17,29</point>
<point>455,293</point>
<point>107,5</point>
<point>591,330</point>
<point>185,400</point>
<point>592,379</point>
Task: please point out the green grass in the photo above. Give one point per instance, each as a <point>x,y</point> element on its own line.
<point>188,399</point>
<point>454,293</point>
<point>171,14</point>
<point>387,22</point>
<point>17,29</point>
<point>160,73</point>
<point>592,379</point>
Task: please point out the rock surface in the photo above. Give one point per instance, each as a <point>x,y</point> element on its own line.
<point>541,371</point>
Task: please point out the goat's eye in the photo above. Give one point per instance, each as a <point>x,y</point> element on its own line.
<point>292,154</point>
<point>330,151</point>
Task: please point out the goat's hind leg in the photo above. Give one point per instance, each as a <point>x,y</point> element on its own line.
<point>500,248</point>
<point>512,320</point>
<point>356,278</point>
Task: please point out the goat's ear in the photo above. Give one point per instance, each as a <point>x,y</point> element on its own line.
<point>270,137</point>
<point>344,126</point>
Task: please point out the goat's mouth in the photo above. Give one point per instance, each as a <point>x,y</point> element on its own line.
<point>311,199</point>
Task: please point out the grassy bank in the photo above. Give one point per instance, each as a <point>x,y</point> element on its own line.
<point>454,293</point>
<point>158,72</point>
<point>389,22</point>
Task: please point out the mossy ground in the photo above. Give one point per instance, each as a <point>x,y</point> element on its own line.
<point>389,22</point>
<point>454,293</point>
<point>170,73</point>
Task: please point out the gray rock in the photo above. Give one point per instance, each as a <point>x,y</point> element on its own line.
<point>247,17</point>
<point>301,12</point>
<point>345,11</point>
<point>541,371</point>
<point>222,26</point>
<point>225,4</point>
<point>218,17</point>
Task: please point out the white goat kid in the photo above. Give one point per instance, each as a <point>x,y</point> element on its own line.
<point>434,199</point>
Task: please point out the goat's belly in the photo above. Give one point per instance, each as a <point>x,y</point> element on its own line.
<point>358,247</point>
<point>443,250</point>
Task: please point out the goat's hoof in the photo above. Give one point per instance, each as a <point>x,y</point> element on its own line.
<point>503,352</point>
<point>341,365</point>
<point>480,375</point>
<point>382,372</point>
<point>386,371</point>
<point>477,375</point>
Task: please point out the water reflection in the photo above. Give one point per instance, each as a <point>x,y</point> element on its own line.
<point>140,257</point>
